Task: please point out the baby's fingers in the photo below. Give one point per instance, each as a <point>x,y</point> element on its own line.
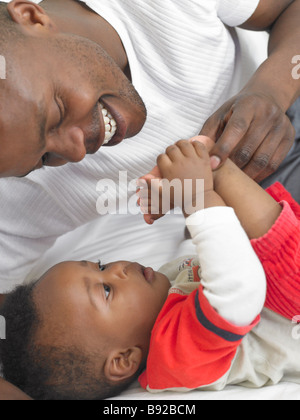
<point>208,142</point>
<point>154,173</point>
<point>149,193</point>
<point>200,149</point>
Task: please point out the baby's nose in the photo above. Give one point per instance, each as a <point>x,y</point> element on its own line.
<point>120,269</point>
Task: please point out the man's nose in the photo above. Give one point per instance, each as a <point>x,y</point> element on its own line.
<point>66,147</point>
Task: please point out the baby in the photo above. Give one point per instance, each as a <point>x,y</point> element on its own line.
<point>86,330</point>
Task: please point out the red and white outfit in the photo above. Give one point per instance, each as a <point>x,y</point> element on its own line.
<point>220,324</point>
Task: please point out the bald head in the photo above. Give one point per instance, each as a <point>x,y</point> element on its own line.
<point>56,86</point>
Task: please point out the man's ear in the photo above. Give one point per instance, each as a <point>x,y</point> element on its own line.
<point>123,364</point>
<point>30,16</point>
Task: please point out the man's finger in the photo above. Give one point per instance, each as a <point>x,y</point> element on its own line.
<point>284,146</point>
<point>214,125</point>
<point>261,158</point>
<point>234,132</point>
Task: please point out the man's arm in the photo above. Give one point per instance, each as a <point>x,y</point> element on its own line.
<point>276,73</point>
<point>8,392</point>
<point>266,13</point>
<point>252,127</point>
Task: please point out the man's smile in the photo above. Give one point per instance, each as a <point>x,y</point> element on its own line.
<point>110,125</point>
<point>114,123</point>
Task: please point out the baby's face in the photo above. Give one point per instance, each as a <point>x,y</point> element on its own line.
<point>86,302</point>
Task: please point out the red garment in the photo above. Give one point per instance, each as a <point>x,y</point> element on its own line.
<point>191,345</point>
<point>279,253</point>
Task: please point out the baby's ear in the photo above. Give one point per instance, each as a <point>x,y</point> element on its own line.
<point>123,364</point>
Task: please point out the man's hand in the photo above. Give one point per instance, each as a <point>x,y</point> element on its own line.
<point>252,127</point>
<point>185,160</point>
<point>253,131</point>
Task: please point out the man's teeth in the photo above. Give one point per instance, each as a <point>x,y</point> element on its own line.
<point>110,125</point>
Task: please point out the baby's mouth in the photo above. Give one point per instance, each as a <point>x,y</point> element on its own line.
<point>148,273</point>
<point>110,124</point>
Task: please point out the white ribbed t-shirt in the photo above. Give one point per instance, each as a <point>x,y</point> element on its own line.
<point>184,61</point>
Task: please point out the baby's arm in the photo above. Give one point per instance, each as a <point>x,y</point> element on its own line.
<point>182,162</point>
<point>231,273</point>
<point>232,276</point>
<point>255,208</point>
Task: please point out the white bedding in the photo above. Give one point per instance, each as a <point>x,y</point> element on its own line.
<point>284,391</point>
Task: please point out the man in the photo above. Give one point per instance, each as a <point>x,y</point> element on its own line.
<point>260,97</point>
<point>39,103</point>
<point>66,66</point>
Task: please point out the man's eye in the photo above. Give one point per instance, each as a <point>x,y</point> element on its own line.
<point>106,290</point>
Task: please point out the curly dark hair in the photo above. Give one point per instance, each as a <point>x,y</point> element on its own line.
<point>47,372</point>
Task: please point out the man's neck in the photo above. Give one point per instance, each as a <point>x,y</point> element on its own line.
<point>75,17</point>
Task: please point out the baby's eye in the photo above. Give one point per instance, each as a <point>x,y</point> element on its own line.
<point>106,290</point>
<point>101,267</point>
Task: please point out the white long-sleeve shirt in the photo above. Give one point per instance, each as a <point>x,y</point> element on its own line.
<point>231,274</point>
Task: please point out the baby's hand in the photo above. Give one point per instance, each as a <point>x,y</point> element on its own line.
<point>186,165</point>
